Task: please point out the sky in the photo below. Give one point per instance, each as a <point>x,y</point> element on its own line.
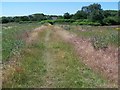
<point>49,8</point>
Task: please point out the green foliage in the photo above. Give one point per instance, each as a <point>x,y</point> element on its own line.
<point>25,18</point>
<point>47,21</point>
<point>93,13</point>
<point>60,21</point>
<point>5,20</point>
<point>99,42</point>
<point>96,16</point>
<point>64,20</point>
<point>13,39</point>
<point>17,19</point>
<point>39,17</point>
<point>110,21</point>
<point>23,22</point>
<point>110,13</point>
<point>92,7</point>
<point>106,33</point>
<point>71,21</point>
<point>86,23</point>
<point>80,15</point>
<point>66,16</point>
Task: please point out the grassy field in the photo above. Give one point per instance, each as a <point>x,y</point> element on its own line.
<point>109,34</point>
<point>12,37</point>
<point>48,61</point>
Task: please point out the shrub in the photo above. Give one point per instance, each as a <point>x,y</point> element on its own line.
<point>86,23</point>
<point>99,42</point>
<point>94,23</point>
<point>47,21</point>
<point>58,21</point>
<point>110,21</point>
<point>20,22</point>
<point>64,21</point>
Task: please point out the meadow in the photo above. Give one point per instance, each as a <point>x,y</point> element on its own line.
<point>36,55</point>
<point>101,37</point>
<point>13,38</point>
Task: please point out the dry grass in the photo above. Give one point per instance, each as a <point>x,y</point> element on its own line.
<point>49,59</point>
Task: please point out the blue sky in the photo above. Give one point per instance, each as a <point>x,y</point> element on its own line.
<point>51,8</point>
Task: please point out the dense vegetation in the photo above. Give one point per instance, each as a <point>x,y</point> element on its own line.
<point>88,15</point>
<point>48,61</point>
<point>69,54</point>
<point>13,35</point>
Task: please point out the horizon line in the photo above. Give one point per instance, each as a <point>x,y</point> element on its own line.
<point>44,14</point>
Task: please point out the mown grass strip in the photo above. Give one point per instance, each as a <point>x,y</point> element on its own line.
<point>69,71</point>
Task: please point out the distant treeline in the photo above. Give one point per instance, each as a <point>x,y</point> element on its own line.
<point>88,15</point>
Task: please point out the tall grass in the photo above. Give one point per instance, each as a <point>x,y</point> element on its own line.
<point>12,39</point>
<point>30,67</point>
<point>108,33</point>
<point>51,62</point>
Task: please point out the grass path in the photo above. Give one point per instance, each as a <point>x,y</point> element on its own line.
<point>48,82</point>
<point>64,68</point>
<point>105,61</point>
<point>50,61</point>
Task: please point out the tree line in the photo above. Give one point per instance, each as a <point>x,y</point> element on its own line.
<point>92,13</point>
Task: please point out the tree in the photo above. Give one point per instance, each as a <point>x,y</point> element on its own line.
<point>5,20</point>
<point>109,13</point>
<point>24,18</point>
<point>111,21</point>
<point>118,17</point>
<point>80,15</point>
<point>94,12</point>
<point>96,15</point>
<point>111,17</point>
<point>39,17</point>
<point>60,17</point>
<point>66,15</point>
<point>17,19</point>
<point>89,9</point>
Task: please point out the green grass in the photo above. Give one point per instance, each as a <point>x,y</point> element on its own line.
<point>31,67</point>
<point>12,39</point>
<point>70,72</point>
<point>52,62</point>
<point>109,34</point>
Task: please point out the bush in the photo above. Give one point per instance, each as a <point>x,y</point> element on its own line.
<point>71,21</point>
<point>47,21</point>
<point>5,20</point>
<point>64,21</point>
<point>58,21</point>
<point>94,23</point>
<point>110,21</point>
<point>99,42</point>
<point>20,22</point>
<point>86,23</point>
